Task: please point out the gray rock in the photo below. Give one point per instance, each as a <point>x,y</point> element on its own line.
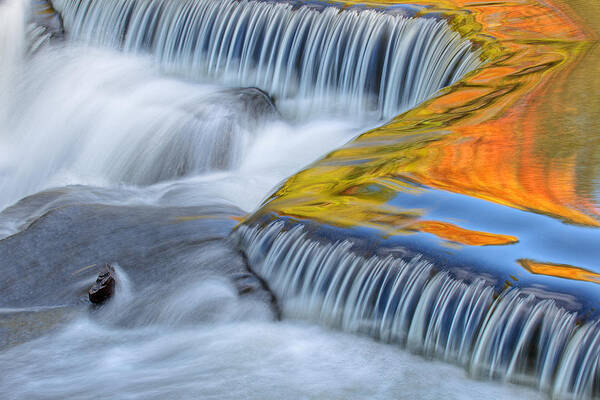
<point>159,250</point>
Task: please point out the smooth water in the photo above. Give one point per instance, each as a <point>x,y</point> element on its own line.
<point>101,129</point>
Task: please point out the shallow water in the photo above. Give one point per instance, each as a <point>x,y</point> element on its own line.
<point>235,356</point>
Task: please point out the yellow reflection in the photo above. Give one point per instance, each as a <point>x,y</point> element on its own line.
<point>522,131</point>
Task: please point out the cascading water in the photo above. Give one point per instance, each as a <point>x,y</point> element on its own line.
<point>517,336</point>
<point>12,45</point>
<point>355,61</point>
<point>159,129</point>
<point>159,165</point>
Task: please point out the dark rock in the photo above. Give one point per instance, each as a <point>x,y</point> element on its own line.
<point>104,287</point>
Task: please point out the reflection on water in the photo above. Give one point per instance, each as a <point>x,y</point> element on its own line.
<point>521,132</point>
<point>460,235</point>
<point>499,170</point>
<point>560,270</point>
<point>507,158</point>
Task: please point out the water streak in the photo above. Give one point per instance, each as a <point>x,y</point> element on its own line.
<point>355,61</point>
<point>12,46</point>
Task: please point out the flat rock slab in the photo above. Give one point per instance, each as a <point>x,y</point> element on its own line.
<point>53,262</point>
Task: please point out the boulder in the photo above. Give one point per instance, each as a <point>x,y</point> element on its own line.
<point>163,252</point>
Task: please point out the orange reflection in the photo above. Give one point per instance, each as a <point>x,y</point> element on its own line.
<point>522,131</point>
<point>460,235</point>
<point>560,271</point>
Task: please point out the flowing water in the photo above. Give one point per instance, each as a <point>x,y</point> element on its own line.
<point>352,61</point>
<point>140,140</point>
<point>400,299</point>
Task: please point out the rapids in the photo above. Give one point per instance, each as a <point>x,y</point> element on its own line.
<point>140,139</point>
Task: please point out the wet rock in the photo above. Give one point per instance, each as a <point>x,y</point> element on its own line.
<point>256,102</point>
<point>211,136</point>
<point>161,252</point>
<point>43,14</point>
<point>249,284</point>
<point>45,25</point>
<point>246,282</point>
<point>104,287</point>
<point>18,326</point>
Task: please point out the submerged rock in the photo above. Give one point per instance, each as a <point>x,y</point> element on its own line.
<point>211,133</point>
<point>104,287</point>
<point>256,102</point>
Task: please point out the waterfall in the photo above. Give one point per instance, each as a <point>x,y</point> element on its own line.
<point>358,61</point>
<point>12,45</point>
<point>12,36</point>
<point>119,122</point>
<point>516,335</point>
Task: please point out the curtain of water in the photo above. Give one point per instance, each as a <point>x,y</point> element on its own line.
<point>355,61</point>
<point>515,336</point>
<point>12,46</point>
<point>94,117</point>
